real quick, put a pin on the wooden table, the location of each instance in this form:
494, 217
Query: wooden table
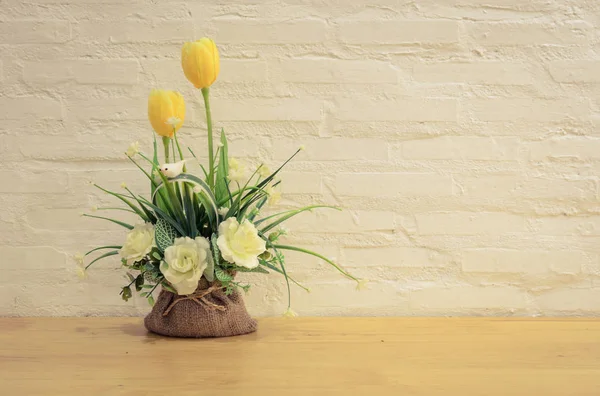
304, 356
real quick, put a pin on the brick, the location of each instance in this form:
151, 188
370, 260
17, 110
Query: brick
573, 71
300, 182
523, 261
26, 107
34, 32
110, 145
332, 149
392, 184
23, 182
501, 33
367, 109
468, 223
464, 297
462, 148
585, 300
261, 109
118, 72
242, 70
515, 186
31, 257
267, 32
485, 73
549, 110
581, 149
108, 109
398, 32
394, 257
345, 221
338, 71
136, 32
167, 73
567, 225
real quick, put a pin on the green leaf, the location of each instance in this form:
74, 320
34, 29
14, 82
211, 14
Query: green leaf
103, 247
164, 234
272, 175
139, 282
222, 275
288, 214
114, 252
151, 300
256, 269
221, 189
165, 216
310, 252
126, 293
126, 201
131, 277
122, 224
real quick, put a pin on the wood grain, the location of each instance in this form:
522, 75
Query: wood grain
304, 356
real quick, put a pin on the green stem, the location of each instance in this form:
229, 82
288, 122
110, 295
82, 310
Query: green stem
166, 142
211, 159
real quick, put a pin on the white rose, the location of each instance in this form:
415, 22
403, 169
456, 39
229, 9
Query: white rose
240, 243
138, 244
184, 263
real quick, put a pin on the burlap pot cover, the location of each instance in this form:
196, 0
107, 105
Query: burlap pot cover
209, 312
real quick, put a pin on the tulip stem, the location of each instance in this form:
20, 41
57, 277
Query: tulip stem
211, 159
166, 142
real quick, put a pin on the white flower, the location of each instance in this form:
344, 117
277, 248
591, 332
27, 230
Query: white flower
302, 148
133, 149
185, 262
264, 171
223, 211
78, 258
173, 121
289, 313
274, 195
138, 244
94, 208
237, 170
240, 243
123, 185
81, 272
362, 284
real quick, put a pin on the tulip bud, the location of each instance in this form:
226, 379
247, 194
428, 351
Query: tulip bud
166, 111
200, 62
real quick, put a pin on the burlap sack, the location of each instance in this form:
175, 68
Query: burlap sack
206, 313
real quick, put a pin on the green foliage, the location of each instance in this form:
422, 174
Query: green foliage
223, 276
126, 293
221, 186
164, 234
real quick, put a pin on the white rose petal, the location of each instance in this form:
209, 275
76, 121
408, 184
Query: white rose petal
240, 243
185, 262
223, 211
138, 244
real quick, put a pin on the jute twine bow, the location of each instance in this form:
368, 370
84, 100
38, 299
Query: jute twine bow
199, 298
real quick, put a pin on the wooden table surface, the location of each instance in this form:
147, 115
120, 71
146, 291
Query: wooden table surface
304, 356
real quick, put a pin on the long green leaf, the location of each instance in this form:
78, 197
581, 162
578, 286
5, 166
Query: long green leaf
272, 175
291, 214
306, 251
102, 247
113, 253
274, 268
163, 215
126, 201
122, 224
221, 186
279, 257
178, 210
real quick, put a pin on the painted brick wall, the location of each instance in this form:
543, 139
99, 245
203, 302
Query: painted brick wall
460, 136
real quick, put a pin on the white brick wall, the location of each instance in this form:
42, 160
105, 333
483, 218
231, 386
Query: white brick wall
460, 136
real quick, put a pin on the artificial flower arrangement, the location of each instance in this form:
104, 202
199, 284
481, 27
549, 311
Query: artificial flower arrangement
197, 233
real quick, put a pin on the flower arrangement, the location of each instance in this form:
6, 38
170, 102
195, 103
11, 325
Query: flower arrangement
196, 233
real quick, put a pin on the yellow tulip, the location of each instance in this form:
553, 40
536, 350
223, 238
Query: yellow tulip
200, 62
166, 111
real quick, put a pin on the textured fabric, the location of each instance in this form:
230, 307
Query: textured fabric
199, 318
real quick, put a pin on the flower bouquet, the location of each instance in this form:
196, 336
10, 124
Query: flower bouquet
197, 232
